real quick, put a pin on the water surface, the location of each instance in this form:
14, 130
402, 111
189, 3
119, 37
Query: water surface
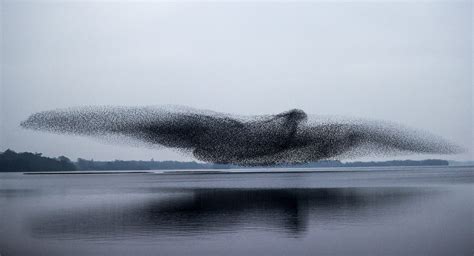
385, 211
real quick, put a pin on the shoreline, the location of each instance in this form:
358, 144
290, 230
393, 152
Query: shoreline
246, 171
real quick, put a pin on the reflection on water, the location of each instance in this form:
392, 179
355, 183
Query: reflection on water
401, 212
197, 211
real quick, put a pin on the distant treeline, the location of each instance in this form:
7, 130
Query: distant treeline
427, 162
83, 164
10, 161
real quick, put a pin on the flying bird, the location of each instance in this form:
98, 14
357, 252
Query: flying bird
288, 137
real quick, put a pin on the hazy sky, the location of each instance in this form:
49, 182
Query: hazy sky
404, 61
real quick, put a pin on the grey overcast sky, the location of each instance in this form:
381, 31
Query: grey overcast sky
404, 61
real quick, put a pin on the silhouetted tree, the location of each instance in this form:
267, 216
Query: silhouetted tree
10, 161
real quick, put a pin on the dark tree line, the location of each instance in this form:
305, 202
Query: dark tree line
10, 161
83, 164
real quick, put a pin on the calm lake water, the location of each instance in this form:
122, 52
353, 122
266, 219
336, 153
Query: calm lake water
389, 211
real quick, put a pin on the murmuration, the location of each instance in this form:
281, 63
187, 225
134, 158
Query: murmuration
288, 137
